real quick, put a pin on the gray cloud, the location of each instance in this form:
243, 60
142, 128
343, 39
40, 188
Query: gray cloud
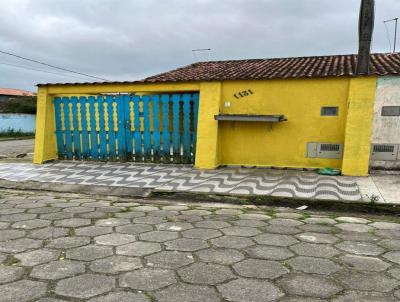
131, 39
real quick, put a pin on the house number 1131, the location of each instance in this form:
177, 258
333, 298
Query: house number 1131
243, 93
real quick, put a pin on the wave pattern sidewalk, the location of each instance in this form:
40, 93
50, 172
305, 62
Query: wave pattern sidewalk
229, 180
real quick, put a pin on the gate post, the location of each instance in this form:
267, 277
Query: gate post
357, 141
207, 150
45, 137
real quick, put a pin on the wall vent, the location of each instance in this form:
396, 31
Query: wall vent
324, 150
384, 151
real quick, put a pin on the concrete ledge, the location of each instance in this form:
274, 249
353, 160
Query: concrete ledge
82, 189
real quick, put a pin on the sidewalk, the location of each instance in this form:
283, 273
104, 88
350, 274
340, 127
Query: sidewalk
228, 180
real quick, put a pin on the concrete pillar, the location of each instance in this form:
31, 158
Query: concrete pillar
207, 150
357, 142
45, 138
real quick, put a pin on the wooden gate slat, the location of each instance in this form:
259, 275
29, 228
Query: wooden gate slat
195, 114
137, 133
146, 128
186, 128
85, 133
111, 133
102, 128
94, 146
176, 144
166, 143
67, 124
59, 131
121, 129
76, 135
127, 126
156, 128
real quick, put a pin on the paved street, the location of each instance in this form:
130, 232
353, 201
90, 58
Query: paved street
71, 247
12, 148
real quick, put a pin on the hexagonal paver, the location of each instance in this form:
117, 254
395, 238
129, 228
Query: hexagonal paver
285, 222
89, 252
22, 291
275, 239
249, 223
148, 279
278, 229
196, 212
68, 242
254, 216
354, 227
363, 263
150, 220
269, 252
19, 245
10, 273
72, 222
214, 224
368, 282
138, 248
314, 250
386, 225
309, 285
320, 221
134, 229
317, 237
240, 231
169, 259
92, 231
205, 273
313, 265
121, 297
6, 235
112, 222
58, 270
360, 248
174, 226
200, 233
115, 264
390, 244
158, 236
393, 256
264, 269
220, 255
232, 242
31, 224
185, 292
352, 219
36, 257
115, 239
186, 245
245, 290
48, 233
363, 297
85, 286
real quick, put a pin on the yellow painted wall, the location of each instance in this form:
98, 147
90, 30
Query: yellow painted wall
282, 144
359, 126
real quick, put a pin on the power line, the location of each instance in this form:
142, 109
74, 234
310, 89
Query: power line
41, 70
49, 65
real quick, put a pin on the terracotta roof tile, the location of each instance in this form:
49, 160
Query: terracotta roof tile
15, 92
284, 68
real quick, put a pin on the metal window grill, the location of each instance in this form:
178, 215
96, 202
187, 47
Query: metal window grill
383, 148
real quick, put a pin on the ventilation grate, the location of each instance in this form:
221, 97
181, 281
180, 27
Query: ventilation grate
330, 147
383, 148
384, 151
324, 150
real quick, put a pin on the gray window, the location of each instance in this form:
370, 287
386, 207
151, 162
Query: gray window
329, 111
391, 111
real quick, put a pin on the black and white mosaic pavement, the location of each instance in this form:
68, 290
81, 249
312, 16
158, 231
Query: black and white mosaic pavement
227, 180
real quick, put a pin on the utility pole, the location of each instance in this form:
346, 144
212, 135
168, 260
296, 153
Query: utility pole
365, 30
395, 32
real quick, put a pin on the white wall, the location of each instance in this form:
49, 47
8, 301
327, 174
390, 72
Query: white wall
386, 129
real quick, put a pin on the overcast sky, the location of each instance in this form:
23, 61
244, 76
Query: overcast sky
132, 39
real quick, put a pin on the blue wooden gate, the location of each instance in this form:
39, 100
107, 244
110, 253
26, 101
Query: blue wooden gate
149, 128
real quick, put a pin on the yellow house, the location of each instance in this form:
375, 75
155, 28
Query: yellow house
306, 112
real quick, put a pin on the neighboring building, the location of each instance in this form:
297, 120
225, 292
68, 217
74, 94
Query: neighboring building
10, 93
307, 112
